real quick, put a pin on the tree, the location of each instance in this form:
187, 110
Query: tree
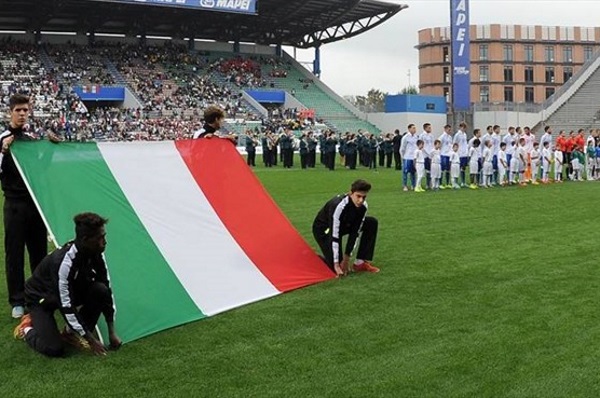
412, 90
374, 101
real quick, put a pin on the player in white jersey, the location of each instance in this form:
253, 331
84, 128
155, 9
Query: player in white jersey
486, 137
513, 176
558, 165
546, 137
455, 166
508, 139
460, 138
534, 156
590, 155
436, 165
488, 167
446, 150
474, 162
427, 139
546, 162
496, 140
479, 168
420, 166
529, 139
522, 157
408, 146
502, 164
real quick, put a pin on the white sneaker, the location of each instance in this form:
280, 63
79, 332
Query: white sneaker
18, 311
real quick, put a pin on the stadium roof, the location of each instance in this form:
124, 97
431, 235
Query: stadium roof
299, 23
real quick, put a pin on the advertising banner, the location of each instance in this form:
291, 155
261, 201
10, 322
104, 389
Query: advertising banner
461, 55
239, 6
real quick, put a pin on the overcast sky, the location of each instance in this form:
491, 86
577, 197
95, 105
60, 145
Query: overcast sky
382, 57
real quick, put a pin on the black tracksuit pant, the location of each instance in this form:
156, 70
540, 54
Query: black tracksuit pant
366, 247
45, 336
23, 227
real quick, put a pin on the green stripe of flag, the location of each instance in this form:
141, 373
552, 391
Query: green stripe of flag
71, 178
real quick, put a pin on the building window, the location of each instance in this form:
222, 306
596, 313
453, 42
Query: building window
568, 54
567, 73
508, 73
507, 32
446, 74
508, 53
549, 53
550, 75
528, 53
588, 34
529, 74
588, 53
529, 95
484, 94
447, 94
483, 52
446, 52
549, 92
527, 32
509, 94
484, 73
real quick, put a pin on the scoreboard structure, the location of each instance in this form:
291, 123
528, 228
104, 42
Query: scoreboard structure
237, 6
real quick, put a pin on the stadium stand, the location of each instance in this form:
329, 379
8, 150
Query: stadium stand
171, 84
576, 104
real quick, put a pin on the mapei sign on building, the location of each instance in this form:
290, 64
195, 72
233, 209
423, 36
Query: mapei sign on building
241, 6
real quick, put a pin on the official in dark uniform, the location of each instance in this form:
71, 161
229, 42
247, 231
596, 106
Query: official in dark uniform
396, 141
251, 144
303, 151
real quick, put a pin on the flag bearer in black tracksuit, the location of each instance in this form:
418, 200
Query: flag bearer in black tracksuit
346, 215
214, 119
74, 280
23, 225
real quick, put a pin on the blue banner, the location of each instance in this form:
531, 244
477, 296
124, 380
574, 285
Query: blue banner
461, 55
268, 97
100, 93
239, 6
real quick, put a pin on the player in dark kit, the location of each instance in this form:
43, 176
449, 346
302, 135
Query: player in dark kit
74, 280
346, 215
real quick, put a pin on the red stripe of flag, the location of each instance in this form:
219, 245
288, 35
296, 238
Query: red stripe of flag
251, 215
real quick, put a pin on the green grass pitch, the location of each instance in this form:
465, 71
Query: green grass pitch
488, 293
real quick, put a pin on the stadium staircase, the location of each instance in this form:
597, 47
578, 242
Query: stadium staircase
114, 72
47, 62
577, 103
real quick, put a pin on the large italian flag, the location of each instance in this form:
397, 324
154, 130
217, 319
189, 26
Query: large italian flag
192, 232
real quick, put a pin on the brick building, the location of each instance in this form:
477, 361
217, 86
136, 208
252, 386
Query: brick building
509, 63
